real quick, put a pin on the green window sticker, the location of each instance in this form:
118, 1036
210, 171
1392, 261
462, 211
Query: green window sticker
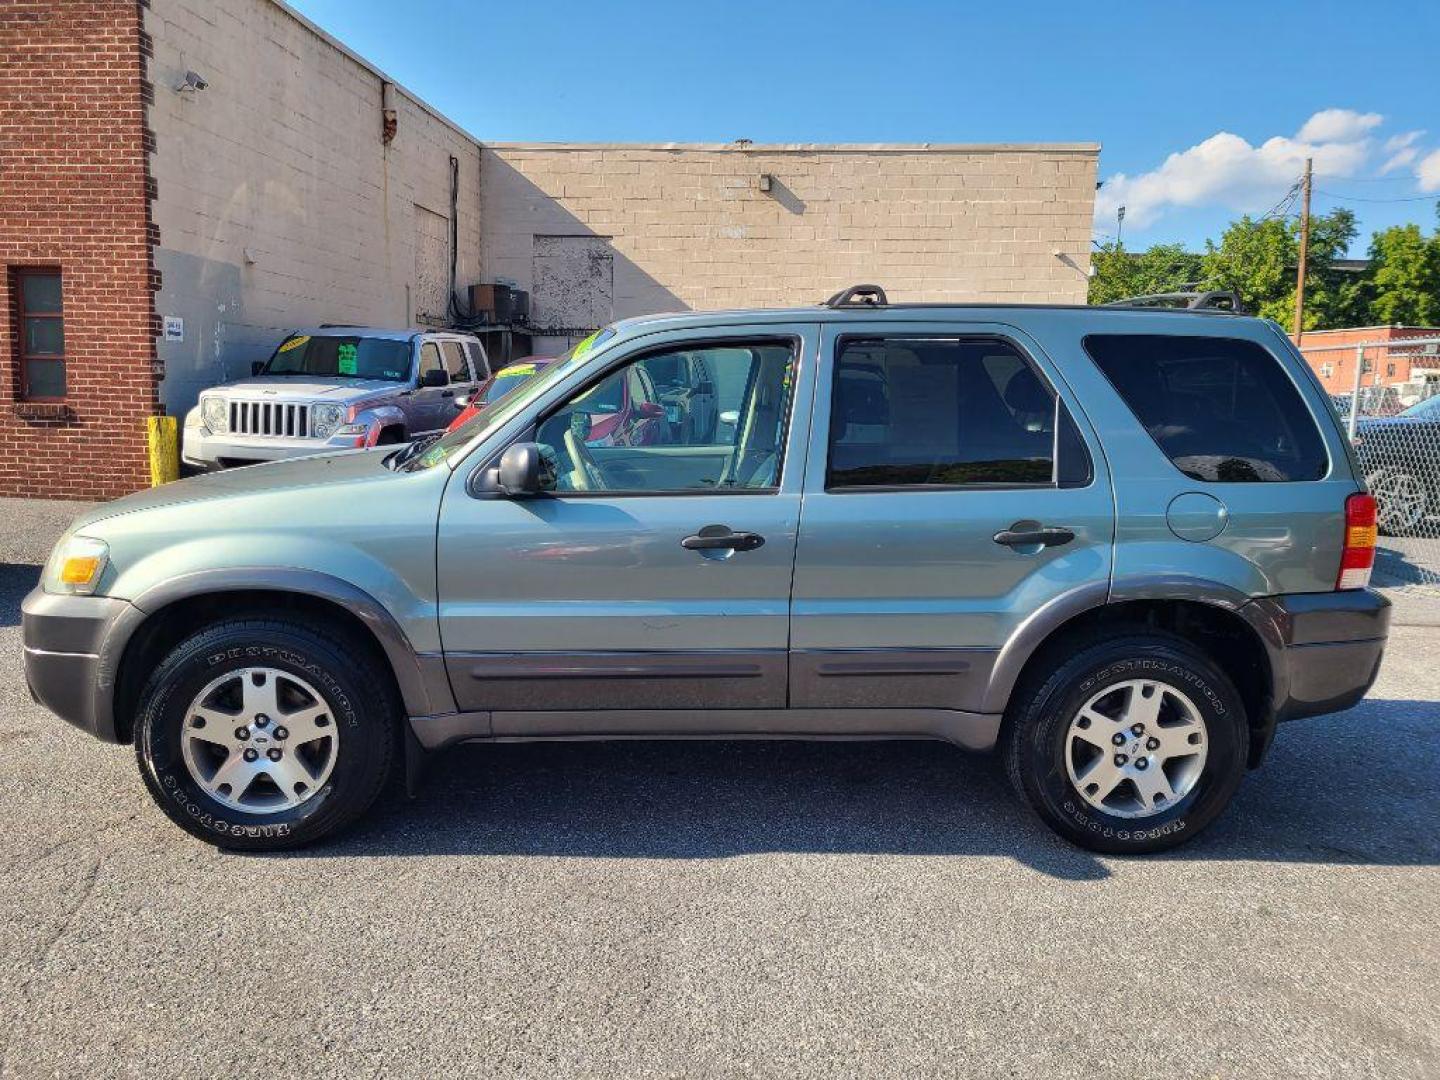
345, 357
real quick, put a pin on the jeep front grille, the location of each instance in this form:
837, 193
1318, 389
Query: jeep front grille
275, 418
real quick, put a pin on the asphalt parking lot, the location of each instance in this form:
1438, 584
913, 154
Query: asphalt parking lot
697, 909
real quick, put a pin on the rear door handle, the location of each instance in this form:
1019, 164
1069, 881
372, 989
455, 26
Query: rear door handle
717, 537
1043, 535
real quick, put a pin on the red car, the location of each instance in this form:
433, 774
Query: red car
623, 409
500, 384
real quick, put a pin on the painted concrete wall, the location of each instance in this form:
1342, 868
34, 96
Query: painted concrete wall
278, 203
691, 228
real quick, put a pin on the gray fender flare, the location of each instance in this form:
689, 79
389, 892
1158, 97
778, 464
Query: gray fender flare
424, 687
1044, 621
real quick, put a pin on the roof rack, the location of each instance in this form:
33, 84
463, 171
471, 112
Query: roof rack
858, 296
1209, 300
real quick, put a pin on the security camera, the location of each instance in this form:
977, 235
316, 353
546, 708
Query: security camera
192, 81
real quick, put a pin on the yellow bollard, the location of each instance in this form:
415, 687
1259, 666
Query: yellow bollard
162, 435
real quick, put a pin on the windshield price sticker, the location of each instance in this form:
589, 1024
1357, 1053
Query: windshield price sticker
294, 343
345, 357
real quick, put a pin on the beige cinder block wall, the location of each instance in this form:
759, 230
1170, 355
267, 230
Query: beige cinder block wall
278, 203
691, 227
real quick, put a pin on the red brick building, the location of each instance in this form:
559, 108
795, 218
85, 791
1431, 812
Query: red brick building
76, 281
1332, 354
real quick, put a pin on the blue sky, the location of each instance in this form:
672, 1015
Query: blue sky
1230, 88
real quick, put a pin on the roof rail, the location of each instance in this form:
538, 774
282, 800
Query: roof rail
1209, 300
858, 296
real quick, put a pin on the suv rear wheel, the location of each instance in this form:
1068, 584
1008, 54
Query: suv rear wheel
1132, 745
261, 734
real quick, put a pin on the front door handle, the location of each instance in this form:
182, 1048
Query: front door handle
1027, 534
718, 537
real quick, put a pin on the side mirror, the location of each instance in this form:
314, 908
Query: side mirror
435, 377
257, 366
462, 401
524, 471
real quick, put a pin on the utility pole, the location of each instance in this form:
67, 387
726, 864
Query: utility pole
1304, 252
1119, 226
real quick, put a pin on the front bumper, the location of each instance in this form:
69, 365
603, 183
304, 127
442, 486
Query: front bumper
201, 448
68, 667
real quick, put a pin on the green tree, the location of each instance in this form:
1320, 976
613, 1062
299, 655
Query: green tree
1120, 273
1255, 259
1403, 282
1258, 260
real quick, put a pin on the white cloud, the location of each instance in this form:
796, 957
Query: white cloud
1338, 125
1228, 171
1402, 151
1429, 172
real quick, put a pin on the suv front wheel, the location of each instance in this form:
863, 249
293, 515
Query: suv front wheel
1133, 745
265, 734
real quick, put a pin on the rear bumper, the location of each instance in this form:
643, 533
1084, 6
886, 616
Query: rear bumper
1325, 648
68, 668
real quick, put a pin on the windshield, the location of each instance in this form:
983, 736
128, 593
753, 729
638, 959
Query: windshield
509, 379
338, 357
1429, 409
428, 455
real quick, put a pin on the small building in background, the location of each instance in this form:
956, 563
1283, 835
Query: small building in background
1413, 370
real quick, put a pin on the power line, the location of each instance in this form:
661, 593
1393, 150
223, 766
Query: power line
1361, 198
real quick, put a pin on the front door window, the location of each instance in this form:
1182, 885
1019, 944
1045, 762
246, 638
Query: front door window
707, 418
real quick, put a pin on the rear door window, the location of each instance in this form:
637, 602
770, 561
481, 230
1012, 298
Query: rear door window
945, 413
1222, 409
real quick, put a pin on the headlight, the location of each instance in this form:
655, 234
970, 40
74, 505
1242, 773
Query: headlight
75, 565
324, 419
216, 411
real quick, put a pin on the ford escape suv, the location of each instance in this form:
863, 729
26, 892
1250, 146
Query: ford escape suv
1122, 545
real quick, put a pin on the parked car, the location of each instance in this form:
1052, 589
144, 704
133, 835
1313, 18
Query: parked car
497, 386
1121, 545
1400, 459
333, 388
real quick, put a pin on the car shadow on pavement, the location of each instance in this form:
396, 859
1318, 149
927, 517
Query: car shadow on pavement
1310, 803
16, 579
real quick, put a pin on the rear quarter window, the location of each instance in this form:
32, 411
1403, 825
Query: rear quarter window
1223, 410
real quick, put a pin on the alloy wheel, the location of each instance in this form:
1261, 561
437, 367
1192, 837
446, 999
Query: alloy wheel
1136, 748
1401, 500
259, 740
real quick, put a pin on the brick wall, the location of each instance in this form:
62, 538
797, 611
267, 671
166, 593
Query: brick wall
73, 196
691, 227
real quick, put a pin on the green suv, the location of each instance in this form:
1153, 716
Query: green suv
1121, 544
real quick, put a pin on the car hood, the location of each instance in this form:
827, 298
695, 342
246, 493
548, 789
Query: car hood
329, 470
298, 388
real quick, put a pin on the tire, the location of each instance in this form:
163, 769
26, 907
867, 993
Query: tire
349, 762
1043, 752
1403, 500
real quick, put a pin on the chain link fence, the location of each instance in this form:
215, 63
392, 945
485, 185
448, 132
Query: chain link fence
1388, 394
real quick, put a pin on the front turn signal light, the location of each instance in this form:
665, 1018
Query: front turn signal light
76, 565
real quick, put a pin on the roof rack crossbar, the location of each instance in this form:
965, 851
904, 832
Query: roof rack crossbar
1208, 300
858, 296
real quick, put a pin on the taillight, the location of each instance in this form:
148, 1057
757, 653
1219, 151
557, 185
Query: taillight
1358, 557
